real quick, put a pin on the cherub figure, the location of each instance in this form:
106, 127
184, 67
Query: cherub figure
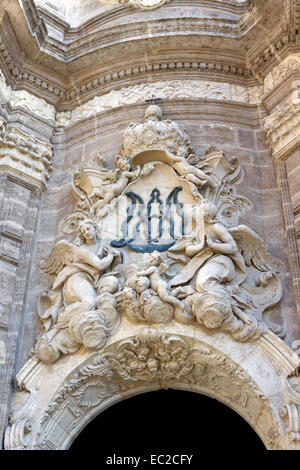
141, 303
191, 172
122, 175
158, 284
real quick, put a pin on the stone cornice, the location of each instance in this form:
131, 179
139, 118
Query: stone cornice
59, 83
116, 26
65, 85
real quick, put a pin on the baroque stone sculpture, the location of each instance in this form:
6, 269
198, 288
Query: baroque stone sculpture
158, 241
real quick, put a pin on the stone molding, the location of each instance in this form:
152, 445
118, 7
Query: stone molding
19, 233
170, 90
282, 127
38, 18
24, 155
246, 70
26, 100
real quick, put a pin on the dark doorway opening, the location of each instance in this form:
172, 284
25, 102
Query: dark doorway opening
167, 421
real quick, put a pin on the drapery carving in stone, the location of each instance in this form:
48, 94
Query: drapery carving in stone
158, 241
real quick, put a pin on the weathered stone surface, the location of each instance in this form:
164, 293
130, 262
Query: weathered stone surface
73, 78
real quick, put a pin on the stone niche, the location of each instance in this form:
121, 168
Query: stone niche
157, 284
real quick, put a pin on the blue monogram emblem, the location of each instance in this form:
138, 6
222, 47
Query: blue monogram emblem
156, 218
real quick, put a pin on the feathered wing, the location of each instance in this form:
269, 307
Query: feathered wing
251, 247
63, 253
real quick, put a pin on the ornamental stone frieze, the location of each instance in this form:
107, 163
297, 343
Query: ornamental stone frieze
53, 408
23, 154
170, 90
155, 253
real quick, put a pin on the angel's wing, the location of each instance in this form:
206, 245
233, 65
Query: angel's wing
251, 247
62, 254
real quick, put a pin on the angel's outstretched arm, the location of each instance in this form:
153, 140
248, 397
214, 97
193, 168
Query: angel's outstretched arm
177, 158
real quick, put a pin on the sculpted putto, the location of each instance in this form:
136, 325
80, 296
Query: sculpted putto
217, 275
118, 182
192, 173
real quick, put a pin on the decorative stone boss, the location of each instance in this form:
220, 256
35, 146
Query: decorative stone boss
157, 242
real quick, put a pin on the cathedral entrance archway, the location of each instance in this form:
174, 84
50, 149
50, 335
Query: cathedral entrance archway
167, 421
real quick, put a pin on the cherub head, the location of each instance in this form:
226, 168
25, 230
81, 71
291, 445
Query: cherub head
123, 163
152, 365
209, 211
155, 258
141, 284
143, 353
87, 230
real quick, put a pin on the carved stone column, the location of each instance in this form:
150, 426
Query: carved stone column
282, 126
24, 167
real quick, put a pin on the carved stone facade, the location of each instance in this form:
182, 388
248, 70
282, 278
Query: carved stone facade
150, 216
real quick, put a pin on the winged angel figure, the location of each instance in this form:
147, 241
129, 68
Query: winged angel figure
72, 312
233, 275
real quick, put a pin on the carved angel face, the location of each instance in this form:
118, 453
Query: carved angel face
209, 211
152, 365
155, 258
142, 284
87, 231
123, 163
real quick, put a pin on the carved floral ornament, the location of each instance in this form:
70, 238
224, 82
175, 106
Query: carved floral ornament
156, 242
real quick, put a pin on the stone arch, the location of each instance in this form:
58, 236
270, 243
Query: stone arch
58, 400
167, 419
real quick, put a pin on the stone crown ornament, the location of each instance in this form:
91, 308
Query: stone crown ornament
155, 133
